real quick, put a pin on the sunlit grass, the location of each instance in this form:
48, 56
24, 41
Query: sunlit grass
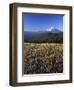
47, 55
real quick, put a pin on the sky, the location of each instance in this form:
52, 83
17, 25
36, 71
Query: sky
42, 22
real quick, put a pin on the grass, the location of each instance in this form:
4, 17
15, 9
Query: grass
43, 58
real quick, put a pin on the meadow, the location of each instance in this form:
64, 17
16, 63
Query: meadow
42, 58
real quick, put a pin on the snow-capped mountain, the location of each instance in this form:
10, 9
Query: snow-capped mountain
54, 30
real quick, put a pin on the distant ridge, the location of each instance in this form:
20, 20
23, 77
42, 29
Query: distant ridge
50, 30
53, 36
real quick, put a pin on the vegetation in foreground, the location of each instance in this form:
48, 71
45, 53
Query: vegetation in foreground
42, 58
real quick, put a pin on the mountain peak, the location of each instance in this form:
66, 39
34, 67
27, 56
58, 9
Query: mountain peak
54, 30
